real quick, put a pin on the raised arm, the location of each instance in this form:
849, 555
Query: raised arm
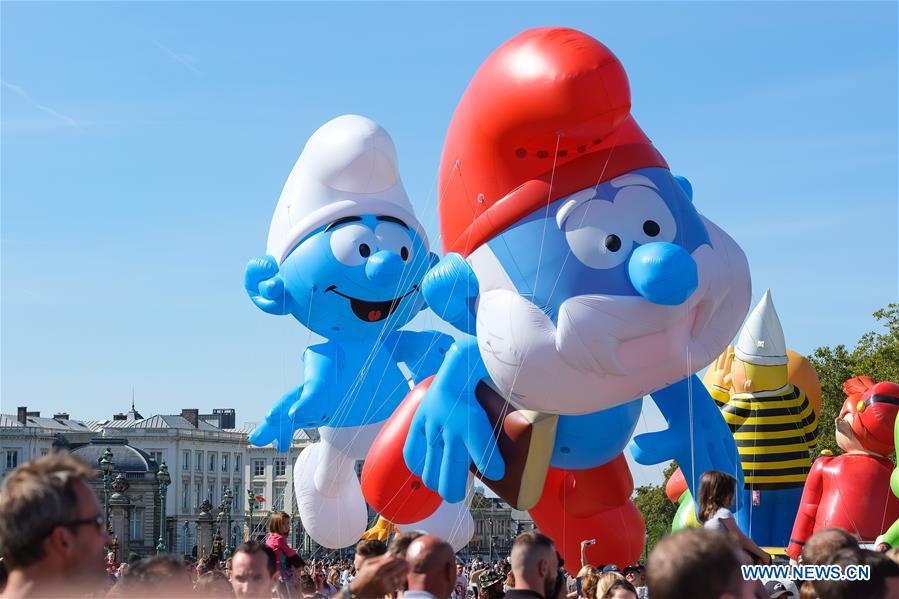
450, 428
421, 351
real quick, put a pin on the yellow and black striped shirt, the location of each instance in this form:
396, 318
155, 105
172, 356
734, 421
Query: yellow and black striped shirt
774, 432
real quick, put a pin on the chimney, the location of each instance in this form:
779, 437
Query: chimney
192, 415
61, 416
22, 414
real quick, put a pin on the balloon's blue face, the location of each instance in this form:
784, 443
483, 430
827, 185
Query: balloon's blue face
357, 277
632, 236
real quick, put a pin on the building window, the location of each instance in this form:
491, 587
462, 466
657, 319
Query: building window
258, 467
277, 497
225, 462
157, 456
237, 494
211, 495
12, 458
185, 494
137, 525
237, 463
185, 461
198, 463
211, 461
199, 493
280, 467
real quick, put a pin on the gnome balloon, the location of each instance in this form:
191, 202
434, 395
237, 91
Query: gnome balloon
852, 491
345, 258
774, 425
587, 279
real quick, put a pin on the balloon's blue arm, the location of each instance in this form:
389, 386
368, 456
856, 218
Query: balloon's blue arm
450, 428
263, 284
308, 406
421, 351
697, 435
450, 288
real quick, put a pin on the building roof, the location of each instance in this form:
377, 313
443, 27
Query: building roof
125, 457
54, 424
301, 434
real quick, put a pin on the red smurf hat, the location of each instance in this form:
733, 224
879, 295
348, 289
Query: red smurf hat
874, 407
546, 115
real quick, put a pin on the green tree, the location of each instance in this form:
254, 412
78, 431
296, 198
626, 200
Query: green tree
876, 355
657, 510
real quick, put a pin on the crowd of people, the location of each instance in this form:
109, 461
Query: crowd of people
53, 543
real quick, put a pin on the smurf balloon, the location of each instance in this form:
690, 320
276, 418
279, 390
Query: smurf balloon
345, 258
587, 279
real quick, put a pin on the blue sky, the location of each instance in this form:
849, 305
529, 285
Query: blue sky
144, 147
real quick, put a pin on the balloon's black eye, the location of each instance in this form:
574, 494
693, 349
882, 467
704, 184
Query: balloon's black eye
404, 253
651, 228
613, 243
364, 250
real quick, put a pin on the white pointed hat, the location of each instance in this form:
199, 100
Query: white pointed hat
348, 168
761, 339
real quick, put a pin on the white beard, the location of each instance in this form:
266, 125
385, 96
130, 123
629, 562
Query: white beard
607, 349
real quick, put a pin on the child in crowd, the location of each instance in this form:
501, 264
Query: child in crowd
286, 558
716, 495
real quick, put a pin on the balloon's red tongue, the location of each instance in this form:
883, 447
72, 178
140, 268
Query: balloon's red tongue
374, 315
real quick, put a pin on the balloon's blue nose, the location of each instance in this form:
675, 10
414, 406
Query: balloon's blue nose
384, 268
663, 273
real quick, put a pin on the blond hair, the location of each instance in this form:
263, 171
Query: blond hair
605, 582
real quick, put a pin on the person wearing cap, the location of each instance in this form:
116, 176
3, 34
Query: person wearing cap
578, 255
776, 589
345, 257
852, 491
490, 585
636, 575
774, 425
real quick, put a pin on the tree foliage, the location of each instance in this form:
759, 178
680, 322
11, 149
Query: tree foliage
876, 355
657, 510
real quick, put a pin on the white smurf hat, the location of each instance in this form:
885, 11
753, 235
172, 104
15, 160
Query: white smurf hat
348, 168
761, 339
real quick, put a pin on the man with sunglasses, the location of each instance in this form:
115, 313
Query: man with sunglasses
52, 529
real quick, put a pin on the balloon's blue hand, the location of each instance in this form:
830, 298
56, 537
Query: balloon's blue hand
277, 426
450, 288
450, 428
697, 435
264, 285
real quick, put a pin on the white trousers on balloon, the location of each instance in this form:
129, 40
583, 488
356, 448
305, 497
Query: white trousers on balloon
329, 496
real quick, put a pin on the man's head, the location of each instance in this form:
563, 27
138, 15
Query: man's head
368, 549
635, 575
696, 563
400, 543
431, 566
535, 563
883, 581
253, 570
51, 521
824, 543
158, 576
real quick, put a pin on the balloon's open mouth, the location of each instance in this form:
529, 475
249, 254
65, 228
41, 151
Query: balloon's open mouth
373, 311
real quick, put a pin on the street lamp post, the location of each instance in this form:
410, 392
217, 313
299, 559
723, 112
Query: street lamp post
227, 500
164, 481
106, 467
